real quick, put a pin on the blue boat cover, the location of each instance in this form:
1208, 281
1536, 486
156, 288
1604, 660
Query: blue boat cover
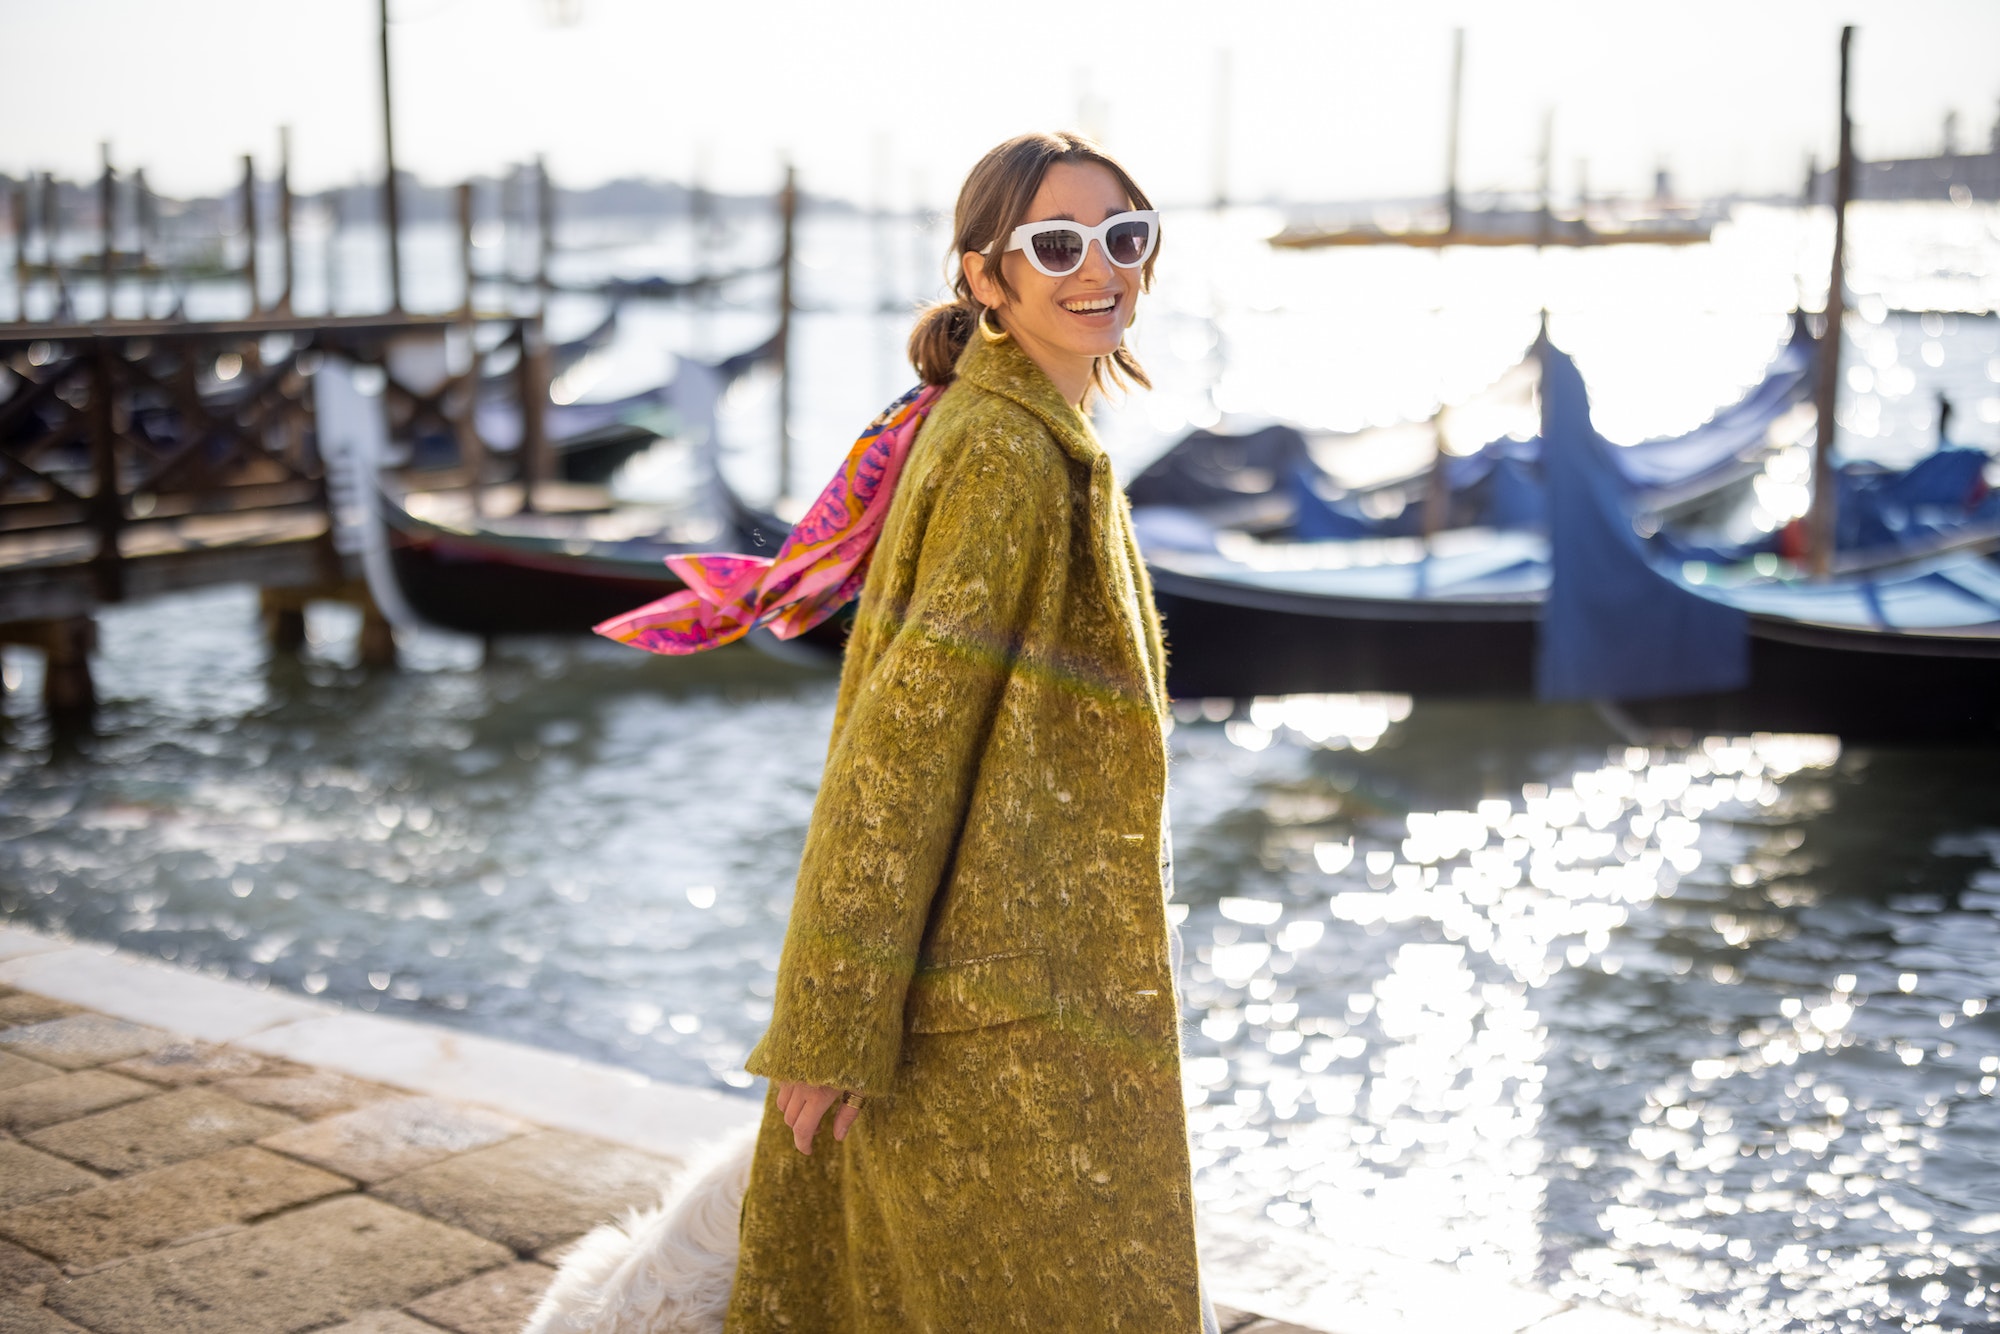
1500, 484
1613, 627
1208, 468
1940, 492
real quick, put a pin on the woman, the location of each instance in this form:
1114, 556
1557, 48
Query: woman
976, 979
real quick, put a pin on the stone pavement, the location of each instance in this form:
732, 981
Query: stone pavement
179, 1153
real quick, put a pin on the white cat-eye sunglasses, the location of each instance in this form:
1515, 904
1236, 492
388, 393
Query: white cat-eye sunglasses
1057, 248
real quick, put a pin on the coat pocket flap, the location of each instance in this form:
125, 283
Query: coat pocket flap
955, 997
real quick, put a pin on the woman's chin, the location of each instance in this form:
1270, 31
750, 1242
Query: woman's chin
1091, 347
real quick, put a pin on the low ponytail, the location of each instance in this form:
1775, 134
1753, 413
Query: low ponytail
940, 336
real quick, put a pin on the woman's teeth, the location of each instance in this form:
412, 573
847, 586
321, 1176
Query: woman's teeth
1091, 305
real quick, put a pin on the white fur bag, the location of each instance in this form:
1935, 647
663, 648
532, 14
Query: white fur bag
664, 1270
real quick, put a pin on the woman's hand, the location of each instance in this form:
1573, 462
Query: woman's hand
805, 1104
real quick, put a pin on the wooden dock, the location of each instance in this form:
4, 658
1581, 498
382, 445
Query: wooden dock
140, 457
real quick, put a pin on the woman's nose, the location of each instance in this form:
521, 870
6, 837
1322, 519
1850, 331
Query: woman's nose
1096, 264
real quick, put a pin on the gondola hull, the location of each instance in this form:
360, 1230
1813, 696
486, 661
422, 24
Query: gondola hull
490, 585
481, 587
1803, 679
1244, 643
1229, 641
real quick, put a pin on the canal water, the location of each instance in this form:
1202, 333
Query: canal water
1700, 1031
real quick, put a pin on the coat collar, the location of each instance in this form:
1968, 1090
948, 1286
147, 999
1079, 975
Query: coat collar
1003, 368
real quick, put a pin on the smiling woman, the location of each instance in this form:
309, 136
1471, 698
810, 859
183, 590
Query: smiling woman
977, 981
1054, 242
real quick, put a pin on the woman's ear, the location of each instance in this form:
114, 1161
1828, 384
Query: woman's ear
984, 290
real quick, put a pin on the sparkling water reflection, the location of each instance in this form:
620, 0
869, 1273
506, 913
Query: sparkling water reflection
1703, 1031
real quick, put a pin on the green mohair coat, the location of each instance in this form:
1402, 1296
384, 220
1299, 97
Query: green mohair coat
979, 940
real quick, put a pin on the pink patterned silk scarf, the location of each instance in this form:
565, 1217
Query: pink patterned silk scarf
818, 570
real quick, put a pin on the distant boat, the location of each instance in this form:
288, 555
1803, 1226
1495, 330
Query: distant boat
1506, 227
1280, 483
1908, 627
529, 575
561, 573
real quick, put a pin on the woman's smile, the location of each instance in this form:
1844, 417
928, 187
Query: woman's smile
1098, 308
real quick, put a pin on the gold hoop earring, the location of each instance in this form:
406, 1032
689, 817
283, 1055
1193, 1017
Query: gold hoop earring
987, 331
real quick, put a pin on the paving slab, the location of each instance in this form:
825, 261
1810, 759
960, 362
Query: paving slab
82, 1040
27, 1175
306, 1094
496, 1302
156, 1131
18, 1315
140, 1213
25, 1007
44, 1102
24, 1272
534, 1191
182, 1063
563, 1092
313, 1266
147, 991
386, 1139
18, 1070
383, 1322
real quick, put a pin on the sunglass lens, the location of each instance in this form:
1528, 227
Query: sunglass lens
1127, 242
1059, 252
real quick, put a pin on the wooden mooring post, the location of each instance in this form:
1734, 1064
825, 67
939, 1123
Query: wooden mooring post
17, 203
288, 256
788, 218
250, 232
1822, 519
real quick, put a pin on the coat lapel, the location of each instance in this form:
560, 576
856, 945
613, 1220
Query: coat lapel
1003, 368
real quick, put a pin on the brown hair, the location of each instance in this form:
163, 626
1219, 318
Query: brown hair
992, 203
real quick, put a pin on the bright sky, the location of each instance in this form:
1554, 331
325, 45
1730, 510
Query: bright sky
1331, 99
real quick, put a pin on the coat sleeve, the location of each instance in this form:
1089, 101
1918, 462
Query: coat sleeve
902, 768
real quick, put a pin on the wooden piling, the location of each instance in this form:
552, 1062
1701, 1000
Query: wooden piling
545, 230
107, 229
250, 232
18, 202
378, 639
1437, 488
330, 254
106, 505
532, 383
391, 209
145, 223
1451, 143
701, 238
788, 213
465, 274
69, 696
1822, 519
51, 249
284, 302
284, 614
